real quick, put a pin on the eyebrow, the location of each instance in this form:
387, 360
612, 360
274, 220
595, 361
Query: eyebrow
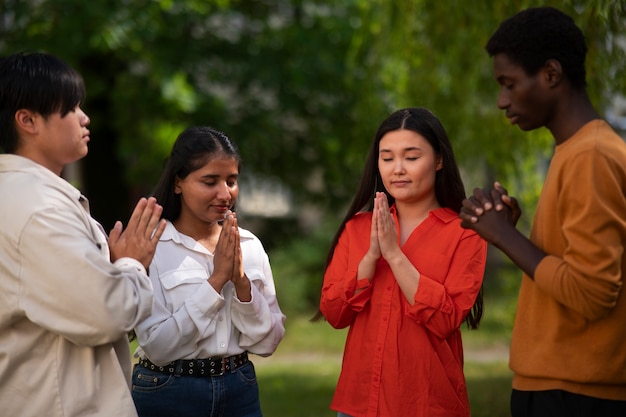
411, 148
211, 176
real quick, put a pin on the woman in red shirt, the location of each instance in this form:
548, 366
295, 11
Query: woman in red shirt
404, 275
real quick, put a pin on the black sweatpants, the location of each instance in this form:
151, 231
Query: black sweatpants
558, 403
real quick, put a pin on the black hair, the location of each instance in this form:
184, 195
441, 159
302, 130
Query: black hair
449, 189
193, 148
39, 82
533, 36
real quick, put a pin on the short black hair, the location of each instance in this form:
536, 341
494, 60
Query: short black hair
39, 82
535, 35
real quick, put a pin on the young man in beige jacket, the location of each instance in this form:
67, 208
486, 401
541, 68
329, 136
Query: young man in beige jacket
68, 294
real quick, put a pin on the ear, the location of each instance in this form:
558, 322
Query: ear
177, 189
439, 163
552, 72
25, 121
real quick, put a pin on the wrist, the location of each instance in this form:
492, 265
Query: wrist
394, 257
243, 288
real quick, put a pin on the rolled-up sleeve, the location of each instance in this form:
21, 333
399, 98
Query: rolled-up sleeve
441, 306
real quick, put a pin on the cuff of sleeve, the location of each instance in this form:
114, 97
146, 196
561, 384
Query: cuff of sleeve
362, 283
252, 297
359, 300
430, 296
130, 263
547, 267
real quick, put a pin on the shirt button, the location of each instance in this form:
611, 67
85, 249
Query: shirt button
221, 318
222, 344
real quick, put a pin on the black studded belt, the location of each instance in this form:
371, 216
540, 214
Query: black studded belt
199, 367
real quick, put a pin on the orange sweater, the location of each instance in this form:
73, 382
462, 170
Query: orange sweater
570, 325
402, 360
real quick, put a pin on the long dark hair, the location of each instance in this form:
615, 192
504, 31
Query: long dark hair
192, 149
449, 189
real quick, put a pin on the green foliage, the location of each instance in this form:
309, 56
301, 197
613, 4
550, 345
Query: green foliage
298, 269
428, 53
300, 85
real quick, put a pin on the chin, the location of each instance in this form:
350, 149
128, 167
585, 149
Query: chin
527, 127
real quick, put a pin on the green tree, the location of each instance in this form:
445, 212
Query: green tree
431, 53
300, 85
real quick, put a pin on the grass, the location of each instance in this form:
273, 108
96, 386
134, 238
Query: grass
299, 379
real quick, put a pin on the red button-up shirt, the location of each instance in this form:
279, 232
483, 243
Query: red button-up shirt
402, 360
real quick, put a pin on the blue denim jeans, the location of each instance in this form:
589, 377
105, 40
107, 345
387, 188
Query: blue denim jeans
230, 395
340, 414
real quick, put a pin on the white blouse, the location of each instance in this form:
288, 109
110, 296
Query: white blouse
190, 320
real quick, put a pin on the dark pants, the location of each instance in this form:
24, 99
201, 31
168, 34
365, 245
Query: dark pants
558, 403
231, 395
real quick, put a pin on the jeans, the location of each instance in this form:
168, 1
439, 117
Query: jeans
230, 395
343, 415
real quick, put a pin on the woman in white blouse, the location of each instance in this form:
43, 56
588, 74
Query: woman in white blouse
215, 300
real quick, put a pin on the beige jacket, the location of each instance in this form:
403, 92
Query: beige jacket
65, 309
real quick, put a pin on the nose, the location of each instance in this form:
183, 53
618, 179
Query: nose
85, 120
223, 191
398, 167
503, 100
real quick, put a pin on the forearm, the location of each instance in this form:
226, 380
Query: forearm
498, 228
407, 276
520, 250
445, 297
261, 323
366, 269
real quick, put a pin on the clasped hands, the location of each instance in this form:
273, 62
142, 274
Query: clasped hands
491, 213
228, 265
383, 234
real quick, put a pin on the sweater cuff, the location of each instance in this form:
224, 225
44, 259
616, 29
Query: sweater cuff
545, 272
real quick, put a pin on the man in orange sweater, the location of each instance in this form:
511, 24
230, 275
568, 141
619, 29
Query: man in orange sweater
568, 349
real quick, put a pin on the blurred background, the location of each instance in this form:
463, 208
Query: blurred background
301, 86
